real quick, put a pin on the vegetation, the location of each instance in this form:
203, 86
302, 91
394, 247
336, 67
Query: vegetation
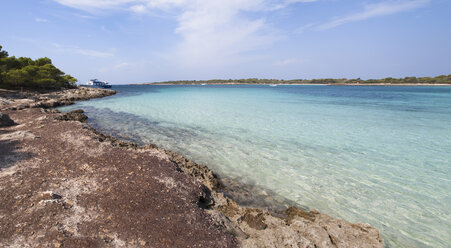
25, 73
444, 79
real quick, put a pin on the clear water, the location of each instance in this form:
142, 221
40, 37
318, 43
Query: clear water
380, 155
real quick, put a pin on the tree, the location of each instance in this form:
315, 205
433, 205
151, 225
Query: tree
43, 61
16, 73
3, 54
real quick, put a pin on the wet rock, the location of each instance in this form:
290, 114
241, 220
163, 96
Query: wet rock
293, 212
112, 140
203, 173
229, 208
75, 115
5, 121
255, 219
149, 147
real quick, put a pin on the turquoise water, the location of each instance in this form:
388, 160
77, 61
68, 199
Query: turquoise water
374, 154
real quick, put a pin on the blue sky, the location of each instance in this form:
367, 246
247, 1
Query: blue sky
135, 41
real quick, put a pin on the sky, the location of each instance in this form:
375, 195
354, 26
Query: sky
139, 41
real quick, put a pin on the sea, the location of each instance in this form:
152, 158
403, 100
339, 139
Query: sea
374, 154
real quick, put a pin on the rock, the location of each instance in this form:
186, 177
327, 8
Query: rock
201, 172
5, 121
77, 111
294, 228
56, 196
75, 115
255, 219
293, 212
149, 147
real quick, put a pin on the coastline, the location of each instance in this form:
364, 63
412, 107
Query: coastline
199, 187
282, 84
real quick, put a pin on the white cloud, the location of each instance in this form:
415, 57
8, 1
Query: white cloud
86, 52
161, 4
114, 68
212, 32
284, 4
375, 10
41, 20
95, 4
303, 28
121, 65
138, 9
93, 53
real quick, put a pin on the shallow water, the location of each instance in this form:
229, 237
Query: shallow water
374, 154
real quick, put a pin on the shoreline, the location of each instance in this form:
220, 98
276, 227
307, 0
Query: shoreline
279, 84
250, 227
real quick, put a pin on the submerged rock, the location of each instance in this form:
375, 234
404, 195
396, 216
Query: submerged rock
5, 121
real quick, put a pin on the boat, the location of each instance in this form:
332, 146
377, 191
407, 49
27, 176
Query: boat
97, 83
273, 85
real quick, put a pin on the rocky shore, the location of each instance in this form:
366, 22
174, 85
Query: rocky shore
15, 100
63, 184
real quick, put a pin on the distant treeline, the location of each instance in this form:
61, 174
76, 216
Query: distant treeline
444, 79
25, 73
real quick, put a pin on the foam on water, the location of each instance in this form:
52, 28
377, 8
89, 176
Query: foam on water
379, 155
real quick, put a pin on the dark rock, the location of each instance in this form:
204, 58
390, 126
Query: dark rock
201, 172
5, 121
205, 199
56, 196
75, 115
77, 111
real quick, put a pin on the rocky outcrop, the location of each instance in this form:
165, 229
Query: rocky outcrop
68, 97
50, 100
5, 121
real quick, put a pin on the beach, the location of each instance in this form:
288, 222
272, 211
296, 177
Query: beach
66, 185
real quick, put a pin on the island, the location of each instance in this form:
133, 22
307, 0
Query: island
442, 80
